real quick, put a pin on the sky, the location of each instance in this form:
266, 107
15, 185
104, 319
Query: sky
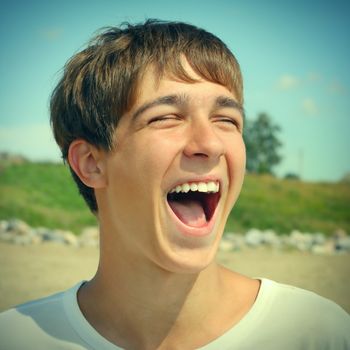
294, 56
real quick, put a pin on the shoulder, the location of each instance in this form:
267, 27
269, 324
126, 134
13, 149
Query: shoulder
35, 323
298, 299
33, 309
307, 313
289, 318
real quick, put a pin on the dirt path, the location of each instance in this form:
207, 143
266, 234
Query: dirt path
35, 271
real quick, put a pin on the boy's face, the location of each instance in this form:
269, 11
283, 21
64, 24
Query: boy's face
177, 135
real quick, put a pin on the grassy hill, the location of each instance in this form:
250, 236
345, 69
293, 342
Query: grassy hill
43, 194
284, 205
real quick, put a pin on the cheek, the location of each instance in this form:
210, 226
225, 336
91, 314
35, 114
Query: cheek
141, 166
237, 153
244, 154
236, 162
157, 154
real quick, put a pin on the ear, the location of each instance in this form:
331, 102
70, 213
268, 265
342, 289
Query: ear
87, 163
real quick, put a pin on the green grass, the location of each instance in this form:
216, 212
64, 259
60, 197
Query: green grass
284, 205
43, 194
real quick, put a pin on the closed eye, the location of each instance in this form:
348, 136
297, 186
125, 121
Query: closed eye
229, 122
164, 120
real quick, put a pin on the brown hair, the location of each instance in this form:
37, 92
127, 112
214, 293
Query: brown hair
99, 84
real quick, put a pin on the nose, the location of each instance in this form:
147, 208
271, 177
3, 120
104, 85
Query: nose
203, 141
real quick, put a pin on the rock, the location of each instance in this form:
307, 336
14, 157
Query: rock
254, 237
327, 248
36, 239
43, 232
18, 227
226, 245
342, 244
237, 240
3, 226
54, 236
6, 237
270, 238
89, 237
26, 239
318, 238
284, 239
19, 232
301, 241
339, 233
21, 240
70, 238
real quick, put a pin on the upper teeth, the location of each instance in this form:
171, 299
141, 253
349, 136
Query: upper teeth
210, 187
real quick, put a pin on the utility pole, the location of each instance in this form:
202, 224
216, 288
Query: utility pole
301, 162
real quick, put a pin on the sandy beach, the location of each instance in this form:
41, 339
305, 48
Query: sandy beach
29, 272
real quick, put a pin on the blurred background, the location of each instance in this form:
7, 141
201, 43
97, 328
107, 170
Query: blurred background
294, 56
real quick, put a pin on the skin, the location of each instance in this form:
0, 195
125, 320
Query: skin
158, 286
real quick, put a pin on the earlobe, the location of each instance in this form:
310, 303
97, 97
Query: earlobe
85, 160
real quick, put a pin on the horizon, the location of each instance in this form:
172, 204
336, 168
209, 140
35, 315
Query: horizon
16, 158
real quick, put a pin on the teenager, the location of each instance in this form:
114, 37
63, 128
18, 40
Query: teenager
150, 118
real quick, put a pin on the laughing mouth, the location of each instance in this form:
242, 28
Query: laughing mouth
194, 203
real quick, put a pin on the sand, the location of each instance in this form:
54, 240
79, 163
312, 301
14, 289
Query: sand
29, 272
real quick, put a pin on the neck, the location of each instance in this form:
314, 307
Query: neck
137, 304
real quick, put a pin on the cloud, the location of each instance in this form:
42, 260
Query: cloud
336, 87
34, 141
287, 82
51, 34
311, 80
290, 81
309, 106
314, 77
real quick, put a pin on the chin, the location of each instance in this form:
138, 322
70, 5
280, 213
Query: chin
187, 263
189, 254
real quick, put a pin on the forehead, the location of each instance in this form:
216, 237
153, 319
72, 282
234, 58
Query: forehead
157, 95
153, 85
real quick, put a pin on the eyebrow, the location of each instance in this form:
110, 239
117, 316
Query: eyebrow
170, 100
225, 101
182, 99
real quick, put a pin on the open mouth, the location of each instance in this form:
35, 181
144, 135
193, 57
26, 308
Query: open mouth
194, 204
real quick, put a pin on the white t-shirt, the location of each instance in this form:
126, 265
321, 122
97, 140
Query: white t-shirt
282, 317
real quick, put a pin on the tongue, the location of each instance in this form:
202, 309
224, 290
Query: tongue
190, 212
